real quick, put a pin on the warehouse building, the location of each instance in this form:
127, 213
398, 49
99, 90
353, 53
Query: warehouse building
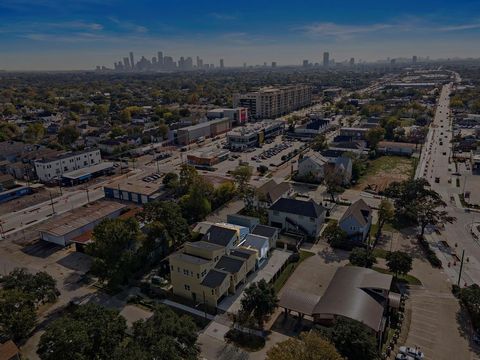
207, 158
138, 191
254, 134
190, 134
62, 229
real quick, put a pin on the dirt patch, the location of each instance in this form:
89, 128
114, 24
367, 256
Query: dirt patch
385, 170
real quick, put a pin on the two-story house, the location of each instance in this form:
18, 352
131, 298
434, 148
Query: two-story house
356, 221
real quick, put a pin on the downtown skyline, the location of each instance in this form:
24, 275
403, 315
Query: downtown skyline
44, 35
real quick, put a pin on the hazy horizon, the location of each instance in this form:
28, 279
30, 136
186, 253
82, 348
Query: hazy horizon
54, 35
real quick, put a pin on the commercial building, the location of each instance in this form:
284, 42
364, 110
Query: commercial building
326, 59
65, 227
354, 133
52, 168
255, 134
271, 102
138, 191
85, 174
190, 134
395, 148
207, 158
237, 116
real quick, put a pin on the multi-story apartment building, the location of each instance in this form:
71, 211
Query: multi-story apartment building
271, 102
205, 272
52, 168
190, 134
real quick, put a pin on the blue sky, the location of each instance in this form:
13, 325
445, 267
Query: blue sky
69, 34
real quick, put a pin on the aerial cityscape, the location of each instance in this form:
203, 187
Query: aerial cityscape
258, 180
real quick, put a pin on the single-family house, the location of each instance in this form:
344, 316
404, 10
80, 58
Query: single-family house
270, 192
299, 216
357, 220
227, 237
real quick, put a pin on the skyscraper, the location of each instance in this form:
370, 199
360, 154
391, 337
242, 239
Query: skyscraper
199, 62
160, 59
414, 59
222, 65
132, 61
274, 64
326, 58
352, 61
126, 63
305, 63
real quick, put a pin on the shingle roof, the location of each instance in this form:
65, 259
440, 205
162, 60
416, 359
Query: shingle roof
189, 258
230, 264
264, 230
360, 211
219, 235
298, 207
243, 253
214, 278
273, 191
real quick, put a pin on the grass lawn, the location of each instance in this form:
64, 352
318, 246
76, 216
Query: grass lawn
409, 279
289, 269
388, 164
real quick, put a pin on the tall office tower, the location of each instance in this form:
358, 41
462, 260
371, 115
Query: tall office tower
352, 61
181, 62
392, 62
414, 59
222, 64
160, 59
168, 63
305, 63
199, 62
244, 65
132, 61
326, 58
189, 63
274, 64
212, 66
126, 63
154, 62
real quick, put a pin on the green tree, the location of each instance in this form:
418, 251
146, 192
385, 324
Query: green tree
399, 262
242, 175
90, 332
17, 314
168, 213
308, 346
165, 336
223, 194
362, 257
114, 250
34, 133
335, 236
170, 180
352, 339
67, 135
117, 131
470, 298
40, 287
374, 136
386, 213
333, 181
259, 300
319, 143
8, 131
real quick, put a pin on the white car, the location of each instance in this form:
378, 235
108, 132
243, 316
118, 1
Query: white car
403, 357
416, 354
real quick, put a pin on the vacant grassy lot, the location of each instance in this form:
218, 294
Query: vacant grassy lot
385, 170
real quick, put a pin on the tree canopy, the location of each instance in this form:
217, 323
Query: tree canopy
259, 300
308, 346
362, 257
40, 287
399, 262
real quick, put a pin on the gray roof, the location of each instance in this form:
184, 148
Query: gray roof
219, 235
264, 230
243, 253
229, 264
360, 211
204, 245
349, 294
307, 208
189, 258
214, 278
255, 241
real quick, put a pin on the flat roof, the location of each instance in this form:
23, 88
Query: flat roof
76, 174
189, 258
135, 185
208, 153
71, 220
65, 155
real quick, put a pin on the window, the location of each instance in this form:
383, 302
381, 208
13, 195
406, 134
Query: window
178, 269
198, 276
185, 272
213, 292
187, 287
171, 267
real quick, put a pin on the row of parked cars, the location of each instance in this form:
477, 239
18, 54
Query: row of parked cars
152, 177
409, 353
273, 151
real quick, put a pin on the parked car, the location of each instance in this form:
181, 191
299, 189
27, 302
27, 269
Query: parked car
403, 357
413, 352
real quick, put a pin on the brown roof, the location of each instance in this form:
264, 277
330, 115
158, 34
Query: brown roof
298, 301
404, 145
359, 210
273, 191
8, 350
349, 294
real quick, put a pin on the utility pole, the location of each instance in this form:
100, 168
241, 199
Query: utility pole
51, 202
88, 197
461, 268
